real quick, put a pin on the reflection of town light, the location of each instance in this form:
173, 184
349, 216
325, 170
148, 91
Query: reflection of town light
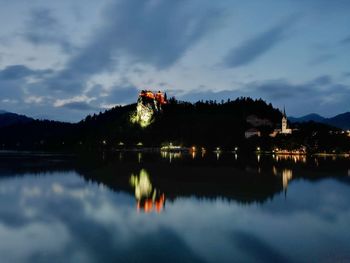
258, 157
203, 150
193, 154
287, 175
274, 170
139, 157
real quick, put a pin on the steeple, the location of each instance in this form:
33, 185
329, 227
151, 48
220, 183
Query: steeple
284, 111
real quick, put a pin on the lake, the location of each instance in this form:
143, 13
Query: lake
173, 207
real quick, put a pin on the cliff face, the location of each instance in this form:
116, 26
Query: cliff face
148, 104
144, 113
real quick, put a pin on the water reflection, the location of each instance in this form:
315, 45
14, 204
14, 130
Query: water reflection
287, 175
170, 155
148, 198
293, 157
216, 211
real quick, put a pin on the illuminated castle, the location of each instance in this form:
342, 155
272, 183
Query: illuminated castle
156, 99
148, 104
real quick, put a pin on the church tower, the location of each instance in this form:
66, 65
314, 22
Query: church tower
285, 129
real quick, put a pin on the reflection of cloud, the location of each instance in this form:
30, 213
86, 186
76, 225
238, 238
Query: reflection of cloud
257, 248
57, 188
92, 224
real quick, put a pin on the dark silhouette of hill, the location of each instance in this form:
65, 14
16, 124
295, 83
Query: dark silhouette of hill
8, 118
341, 121
310, 117
205, 123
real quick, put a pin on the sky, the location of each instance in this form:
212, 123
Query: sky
63, 60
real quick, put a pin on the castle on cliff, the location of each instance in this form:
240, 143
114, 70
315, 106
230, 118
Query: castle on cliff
148, 104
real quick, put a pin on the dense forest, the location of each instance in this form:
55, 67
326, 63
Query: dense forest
207, 124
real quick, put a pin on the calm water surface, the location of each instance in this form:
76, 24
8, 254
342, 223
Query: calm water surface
133, 207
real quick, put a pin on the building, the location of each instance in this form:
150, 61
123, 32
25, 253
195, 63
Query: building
285, 129
148, 104
252, 132
284, 126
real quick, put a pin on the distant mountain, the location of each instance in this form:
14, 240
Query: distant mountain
341, 121
310, 117
8, 119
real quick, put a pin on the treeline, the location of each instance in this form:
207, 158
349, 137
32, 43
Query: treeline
204, 123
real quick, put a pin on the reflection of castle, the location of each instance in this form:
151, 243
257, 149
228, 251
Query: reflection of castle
148, 198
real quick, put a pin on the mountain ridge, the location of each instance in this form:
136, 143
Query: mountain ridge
341, 120
10, 118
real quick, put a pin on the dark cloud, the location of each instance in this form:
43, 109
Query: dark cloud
253, 48
127, 94
80, 106
16, 72
155, 33
43, 28
345, 41
13, 79
321, 59
321, 95
323, 80
346, 74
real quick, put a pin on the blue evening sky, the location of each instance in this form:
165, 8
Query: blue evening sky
65, 59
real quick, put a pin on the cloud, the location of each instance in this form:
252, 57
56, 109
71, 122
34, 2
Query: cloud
321, 59
323, 80
345, 41
80, 106
14, 80
321, 94
154, 33
346, 74
122, 94
43, 28
16, 72
253, 48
